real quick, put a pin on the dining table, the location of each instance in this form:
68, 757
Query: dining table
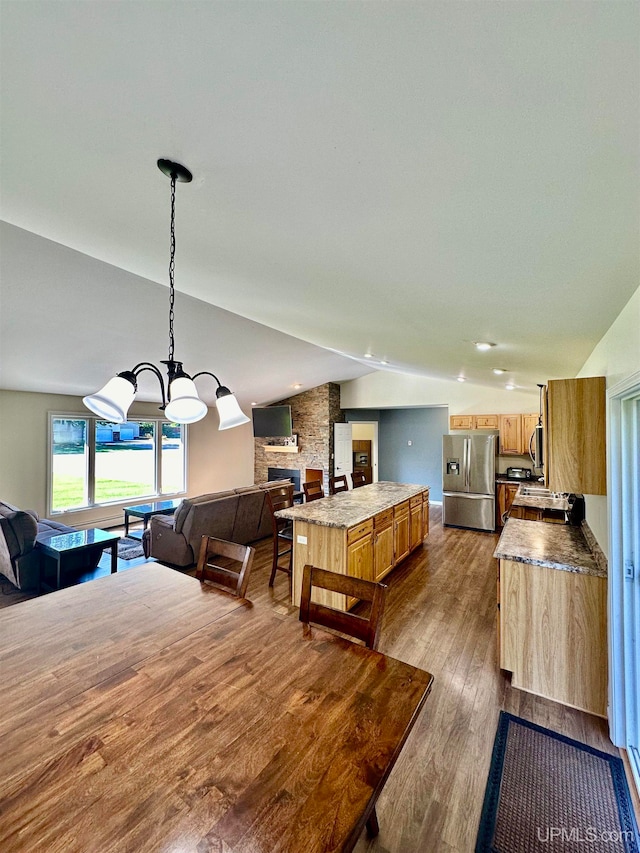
146, 711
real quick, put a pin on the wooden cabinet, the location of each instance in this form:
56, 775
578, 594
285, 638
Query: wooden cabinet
462, 422
369, 549
425, 515
506, 494
510, 434
487, 422
529, 423
383, 554
553, 634
401, 531
576, 435
415, 522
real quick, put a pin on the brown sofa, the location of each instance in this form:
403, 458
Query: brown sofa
240, 515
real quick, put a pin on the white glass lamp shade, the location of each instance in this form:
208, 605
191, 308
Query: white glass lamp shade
231, 415
112, 401
184, 407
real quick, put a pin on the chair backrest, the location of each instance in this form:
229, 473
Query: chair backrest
313, 490
280, 498
235, 568
361, 627
358, 478
338, 484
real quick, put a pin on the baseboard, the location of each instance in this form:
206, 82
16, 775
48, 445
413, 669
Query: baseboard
632, 771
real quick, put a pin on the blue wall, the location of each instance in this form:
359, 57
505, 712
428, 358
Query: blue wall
419, 463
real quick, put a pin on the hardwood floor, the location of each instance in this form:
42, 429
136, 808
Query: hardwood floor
440, 615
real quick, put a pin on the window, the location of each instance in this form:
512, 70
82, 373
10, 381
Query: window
93, 462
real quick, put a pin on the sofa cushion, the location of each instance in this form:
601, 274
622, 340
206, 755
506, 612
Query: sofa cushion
19, 529
210, 518
249, 512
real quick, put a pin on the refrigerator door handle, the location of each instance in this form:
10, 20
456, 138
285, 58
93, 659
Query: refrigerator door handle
467, 463
469, 496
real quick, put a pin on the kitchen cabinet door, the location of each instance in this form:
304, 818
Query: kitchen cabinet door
383, 552
576, 435
462, 422
506, 494
511, 434
415, 523
487, 422
401, 531
529, 423
360, 561
425, 515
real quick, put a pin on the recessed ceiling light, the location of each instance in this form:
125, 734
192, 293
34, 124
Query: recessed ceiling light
509, 387
461, 379
368, 355
254, 403
384, 361
483, 345
499, 370
297, 385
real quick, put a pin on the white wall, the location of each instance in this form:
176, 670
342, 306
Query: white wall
216, 460
616, 356
385, 389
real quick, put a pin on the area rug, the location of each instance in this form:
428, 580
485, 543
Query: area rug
129, 549
546, 792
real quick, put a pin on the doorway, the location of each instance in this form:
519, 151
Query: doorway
366, 431
624, 568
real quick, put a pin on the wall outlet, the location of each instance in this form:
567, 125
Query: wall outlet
301, 540
409, 443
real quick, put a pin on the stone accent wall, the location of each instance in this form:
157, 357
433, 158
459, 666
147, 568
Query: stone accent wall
314, 413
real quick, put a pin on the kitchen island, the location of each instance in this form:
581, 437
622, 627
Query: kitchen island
364, 532
552, 617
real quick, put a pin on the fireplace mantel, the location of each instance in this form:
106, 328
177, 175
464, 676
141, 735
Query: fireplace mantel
281, 448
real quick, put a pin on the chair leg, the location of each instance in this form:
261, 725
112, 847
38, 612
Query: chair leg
274, 566
372, 824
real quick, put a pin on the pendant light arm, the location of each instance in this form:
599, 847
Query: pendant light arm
207, 373
146, 365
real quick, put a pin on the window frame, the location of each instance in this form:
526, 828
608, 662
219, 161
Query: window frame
91, 420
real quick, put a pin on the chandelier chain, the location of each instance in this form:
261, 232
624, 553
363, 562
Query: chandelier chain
172, 263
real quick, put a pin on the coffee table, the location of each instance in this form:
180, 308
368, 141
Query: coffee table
58, 547
146, 511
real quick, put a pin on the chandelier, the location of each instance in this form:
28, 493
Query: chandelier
181, 403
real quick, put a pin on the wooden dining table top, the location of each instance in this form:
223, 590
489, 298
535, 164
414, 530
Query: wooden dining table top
144, 711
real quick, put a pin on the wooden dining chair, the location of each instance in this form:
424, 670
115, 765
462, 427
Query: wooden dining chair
338, 484
313, 491
281, 498
237, 559
358, 478
362, 628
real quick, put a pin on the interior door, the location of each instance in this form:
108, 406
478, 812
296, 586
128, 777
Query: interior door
342, 453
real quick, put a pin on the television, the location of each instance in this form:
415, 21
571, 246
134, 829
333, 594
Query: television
272, 422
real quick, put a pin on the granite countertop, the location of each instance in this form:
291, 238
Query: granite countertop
346, 509
541, 502
555, 546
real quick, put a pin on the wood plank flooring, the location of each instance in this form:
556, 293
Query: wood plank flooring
440, 616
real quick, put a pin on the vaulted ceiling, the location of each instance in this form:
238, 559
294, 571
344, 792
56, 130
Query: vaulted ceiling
399, 179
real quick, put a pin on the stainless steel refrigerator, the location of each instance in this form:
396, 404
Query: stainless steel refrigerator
468, 481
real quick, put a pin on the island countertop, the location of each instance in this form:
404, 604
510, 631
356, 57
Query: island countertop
346, 509
555, 546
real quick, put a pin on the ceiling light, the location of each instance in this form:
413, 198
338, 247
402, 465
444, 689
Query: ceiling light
383, 361
509, 386
181, 403
368, 355
297, 385
483, 345
499, 371
461, 379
